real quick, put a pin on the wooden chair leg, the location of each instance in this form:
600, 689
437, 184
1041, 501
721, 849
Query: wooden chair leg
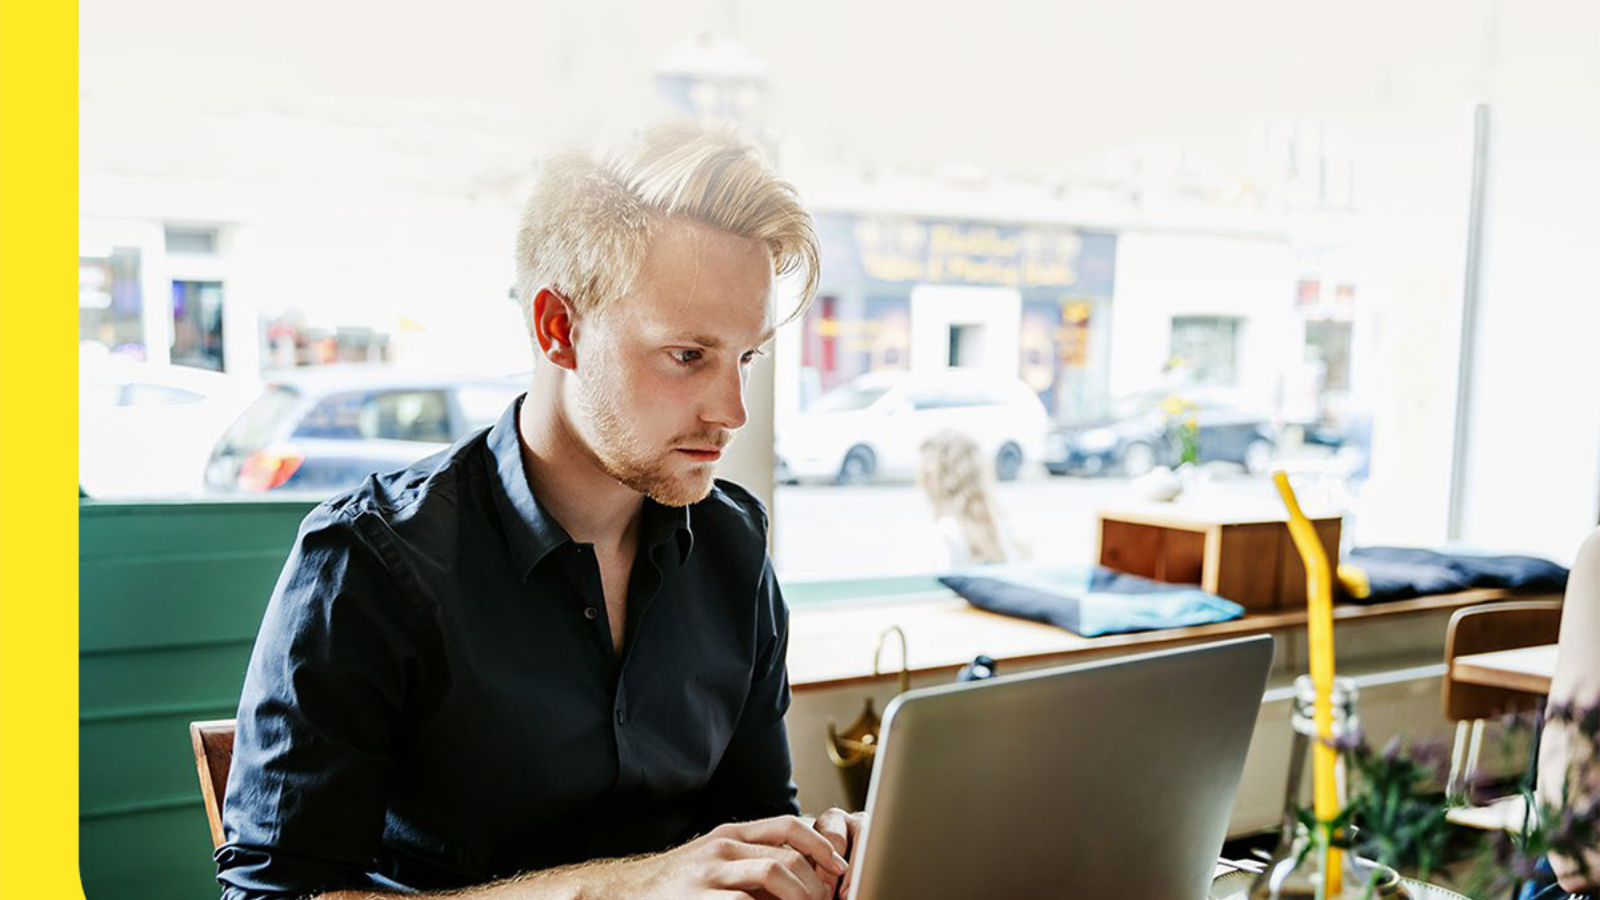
1474, 751
1454, 787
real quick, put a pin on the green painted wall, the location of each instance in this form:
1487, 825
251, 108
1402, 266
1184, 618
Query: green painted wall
169, 600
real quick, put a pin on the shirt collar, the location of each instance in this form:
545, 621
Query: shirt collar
531, 531
662, 523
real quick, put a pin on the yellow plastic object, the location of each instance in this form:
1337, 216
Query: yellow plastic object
1355, 582
1319, 630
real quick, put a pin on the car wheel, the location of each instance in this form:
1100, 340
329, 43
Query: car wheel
1138, 458
859, 465
1257, 456
1008, 463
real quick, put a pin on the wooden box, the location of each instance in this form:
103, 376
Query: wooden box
1244, 554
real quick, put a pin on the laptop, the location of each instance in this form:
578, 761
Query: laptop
1109, 779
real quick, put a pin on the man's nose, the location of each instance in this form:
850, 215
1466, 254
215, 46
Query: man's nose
726, 407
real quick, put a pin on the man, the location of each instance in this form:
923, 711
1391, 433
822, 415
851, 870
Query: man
549, 661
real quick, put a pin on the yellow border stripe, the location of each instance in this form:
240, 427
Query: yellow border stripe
38, 450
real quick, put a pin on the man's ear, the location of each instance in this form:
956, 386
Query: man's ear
555, 327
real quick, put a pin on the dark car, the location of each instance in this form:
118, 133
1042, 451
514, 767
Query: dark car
1140, 433
324, 430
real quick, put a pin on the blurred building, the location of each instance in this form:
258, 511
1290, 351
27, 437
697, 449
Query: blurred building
1092, 284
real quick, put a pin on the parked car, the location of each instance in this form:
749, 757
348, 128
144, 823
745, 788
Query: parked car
872, 426
324, 430
146, 430
1139, 434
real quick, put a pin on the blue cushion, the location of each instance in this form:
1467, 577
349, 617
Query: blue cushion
1399, 573
1087, 600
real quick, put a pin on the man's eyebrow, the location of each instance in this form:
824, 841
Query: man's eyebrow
712, 342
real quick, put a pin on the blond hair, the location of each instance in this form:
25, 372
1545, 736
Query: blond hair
955, 476
589, 221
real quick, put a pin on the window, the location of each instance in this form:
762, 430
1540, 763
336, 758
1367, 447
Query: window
966, 345
337, 417
407, 416
197, 324
261, 422
1328, 348
1205, 350
111, 302
191, 241
157, 395
848, 398
389, 416
1298, 243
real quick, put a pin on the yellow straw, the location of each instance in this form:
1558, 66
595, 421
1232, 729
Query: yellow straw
1319, 629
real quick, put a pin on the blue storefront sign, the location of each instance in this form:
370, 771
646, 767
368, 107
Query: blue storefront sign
870, 252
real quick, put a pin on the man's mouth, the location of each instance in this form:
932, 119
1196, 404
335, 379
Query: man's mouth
702, 454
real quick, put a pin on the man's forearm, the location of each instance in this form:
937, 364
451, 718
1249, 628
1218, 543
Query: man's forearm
574, 882
779, 856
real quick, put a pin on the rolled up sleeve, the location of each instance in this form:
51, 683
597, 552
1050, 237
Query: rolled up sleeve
318, 717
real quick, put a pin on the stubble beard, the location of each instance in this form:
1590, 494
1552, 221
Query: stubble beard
620, 453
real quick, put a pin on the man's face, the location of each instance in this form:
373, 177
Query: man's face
661, 372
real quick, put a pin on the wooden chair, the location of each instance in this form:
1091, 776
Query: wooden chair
213, 757
1484, 629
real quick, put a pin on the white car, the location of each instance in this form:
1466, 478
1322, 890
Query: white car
147, 430
872, 426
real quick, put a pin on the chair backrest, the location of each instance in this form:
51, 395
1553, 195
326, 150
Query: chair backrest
1485, 629
213, 756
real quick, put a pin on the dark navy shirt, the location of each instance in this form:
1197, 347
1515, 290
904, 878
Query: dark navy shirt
434, 700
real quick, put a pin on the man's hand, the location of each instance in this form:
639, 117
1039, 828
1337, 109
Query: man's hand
781, 858
843, 830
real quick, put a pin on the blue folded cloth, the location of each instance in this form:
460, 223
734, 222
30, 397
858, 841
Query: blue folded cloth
1087, 600
1399, 573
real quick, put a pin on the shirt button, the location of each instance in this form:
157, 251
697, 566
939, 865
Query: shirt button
622, 717
590, 612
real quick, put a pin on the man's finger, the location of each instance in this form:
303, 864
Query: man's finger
797, 862
797, 834
835, 826
856, 823
767, 872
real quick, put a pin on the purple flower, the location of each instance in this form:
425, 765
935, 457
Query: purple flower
1354, 741
1517, 720
1433, 755
1482, 788
1588, 813
1523, 867
1589, 721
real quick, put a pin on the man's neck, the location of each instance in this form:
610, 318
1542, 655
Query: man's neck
593, 507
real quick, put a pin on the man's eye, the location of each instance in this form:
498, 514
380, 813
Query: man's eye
686, 357
750, 357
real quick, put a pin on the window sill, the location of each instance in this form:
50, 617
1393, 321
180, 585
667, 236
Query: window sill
831, 644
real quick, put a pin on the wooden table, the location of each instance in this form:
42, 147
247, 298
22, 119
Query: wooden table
1523, 669
1236, 886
